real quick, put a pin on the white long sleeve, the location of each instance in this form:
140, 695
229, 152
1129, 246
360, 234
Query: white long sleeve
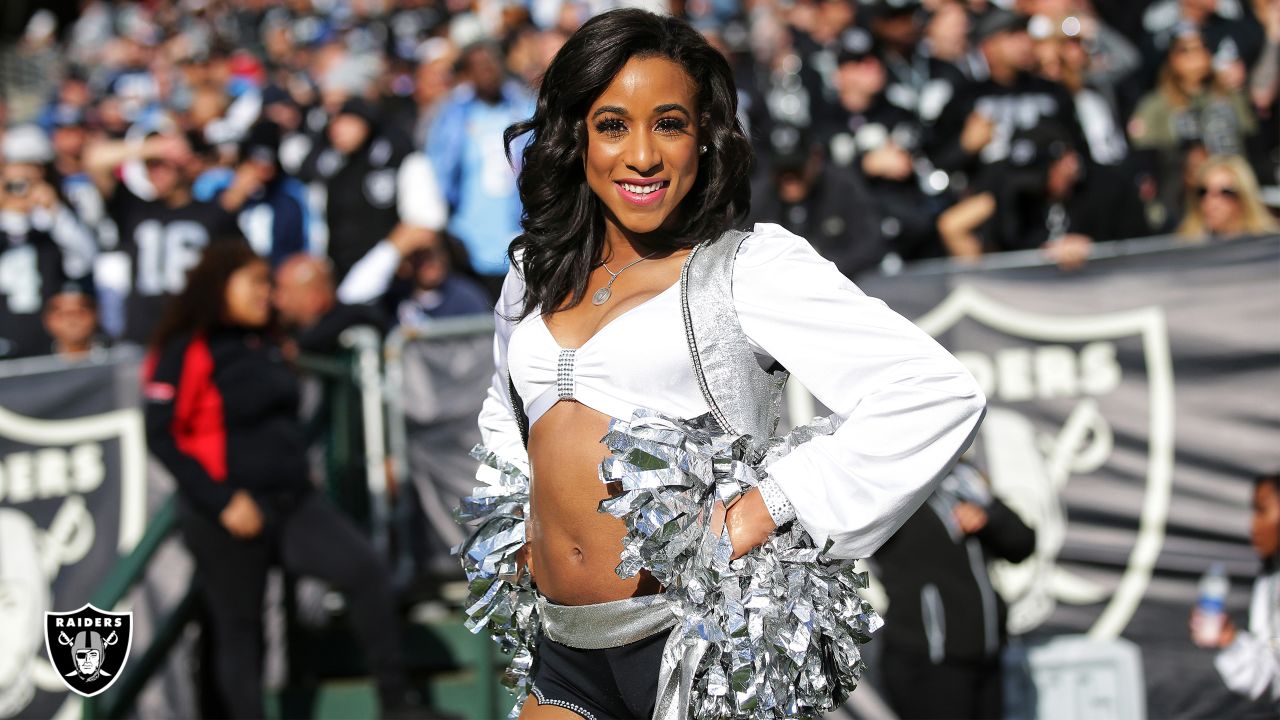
370, 277
419, 200
1251, 663
909, 407
498, 429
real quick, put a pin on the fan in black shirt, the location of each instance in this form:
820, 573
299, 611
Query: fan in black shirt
163, 230
886, 143
976, 128
1041, 198
31, 272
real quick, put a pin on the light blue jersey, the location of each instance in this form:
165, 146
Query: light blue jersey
465, 147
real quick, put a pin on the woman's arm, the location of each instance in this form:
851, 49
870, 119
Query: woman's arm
909, 407
1249, 665
498, 429
177, 369
958, 225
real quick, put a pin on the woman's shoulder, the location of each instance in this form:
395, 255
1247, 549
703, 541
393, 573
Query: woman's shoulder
511, 297
770, 248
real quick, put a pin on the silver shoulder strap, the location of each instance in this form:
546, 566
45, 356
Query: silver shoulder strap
744, 398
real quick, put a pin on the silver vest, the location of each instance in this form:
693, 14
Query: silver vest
745, 399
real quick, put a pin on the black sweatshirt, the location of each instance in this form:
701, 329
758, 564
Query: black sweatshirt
222, 415
941, 603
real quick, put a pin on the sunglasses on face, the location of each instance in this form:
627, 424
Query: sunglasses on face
1227, 192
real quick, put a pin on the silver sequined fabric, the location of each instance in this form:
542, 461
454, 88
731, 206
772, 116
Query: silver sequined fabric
744, 399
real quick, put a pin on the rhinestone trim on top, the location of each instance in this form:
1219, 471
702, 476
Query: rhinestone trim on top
564, 374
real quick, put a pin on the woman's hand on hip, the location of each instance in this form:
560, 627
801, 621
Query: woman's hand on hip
749, 522
242, 517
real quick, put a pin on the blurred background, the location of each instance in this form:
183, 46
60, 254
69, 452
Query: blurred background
1077, 197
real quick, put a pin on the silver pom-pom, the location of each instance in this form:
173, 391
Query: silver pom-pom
500, 594
782, 624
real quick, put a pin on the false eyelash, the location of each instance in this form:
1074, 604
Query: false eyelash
611, 127
672, 125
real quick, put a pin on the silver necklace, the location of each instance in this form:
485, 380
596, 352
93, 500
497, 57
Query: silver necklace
603, 294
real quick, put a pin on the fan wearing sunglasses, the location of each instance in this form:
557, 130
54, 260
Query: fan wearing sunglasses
1225, 202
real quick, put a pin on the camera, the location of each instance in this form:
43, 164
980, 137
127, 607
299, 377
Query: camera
17, 188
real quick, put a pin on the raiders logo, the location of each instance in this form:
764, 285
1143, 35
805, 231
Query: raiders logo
88, 647
1060, 426
72, 502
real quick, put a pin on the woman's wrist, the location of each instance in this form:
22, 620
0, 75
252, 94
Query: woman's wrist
775, 501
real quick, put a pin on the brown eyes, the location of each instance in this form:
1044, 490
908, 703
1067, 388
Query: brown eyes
615, 127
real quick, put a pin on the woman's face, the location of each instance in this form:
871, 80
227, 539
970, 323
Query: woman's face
1190, 60
948, 31
642, 146
248, 299
1220, 201
1264, 532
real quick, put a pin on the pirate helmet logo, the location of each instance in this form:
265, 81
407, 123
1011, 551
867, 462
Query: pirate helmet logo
88, 647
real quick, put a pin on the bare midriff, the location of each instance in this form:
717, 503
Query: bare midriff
573, 547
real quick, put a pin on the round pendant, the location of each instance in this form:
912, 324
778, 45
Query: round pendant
601, 297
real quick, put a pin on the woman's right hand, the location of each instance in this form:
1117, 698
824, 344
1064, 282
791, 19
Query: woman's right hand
241, 517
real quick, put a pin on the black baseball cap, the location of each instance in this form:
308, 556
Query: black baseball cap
996, 21
891, 8
855, 45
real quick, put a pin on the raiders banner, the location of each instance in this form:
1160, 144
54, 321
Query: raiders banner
72, 502
1130, 406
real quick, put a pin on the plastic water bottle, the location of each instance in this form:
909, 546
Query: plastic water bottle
1210, 615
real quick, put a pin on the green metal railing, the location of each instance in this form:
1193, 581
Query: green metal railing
127, 573
338, 376
463, 668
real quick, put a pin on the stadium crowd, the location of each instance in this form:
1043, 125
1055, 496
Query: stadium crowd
370, 132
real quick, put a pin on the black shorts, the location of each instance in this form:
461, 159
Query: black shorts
620, 682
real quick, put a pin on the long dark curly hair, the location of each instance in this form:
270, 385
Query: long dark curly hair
563, 221
201, 305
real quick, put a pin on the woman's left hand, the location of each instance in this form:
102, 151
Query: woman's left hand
749, 522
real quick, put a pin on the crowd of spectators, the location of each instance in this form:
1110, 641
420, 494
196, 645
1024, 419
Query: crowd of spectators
369, 132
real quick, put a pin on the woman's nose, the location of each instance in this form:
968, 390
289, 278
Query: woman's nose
642, 154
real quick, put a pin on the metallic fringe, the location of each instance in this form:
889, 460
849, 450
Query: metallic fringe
782, 625
500, 596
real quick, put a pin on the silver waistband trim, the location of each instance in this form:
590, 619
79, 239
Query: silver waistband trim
605, 625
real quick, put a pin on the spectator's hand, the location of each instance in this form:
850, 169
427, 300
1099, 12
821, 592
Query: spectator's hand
247, 181
389, 469
890, 161
748, 521
43, 195
407, 238
1226, 636
971, 518
1271, 20
242, 517
978, 131
1070, 251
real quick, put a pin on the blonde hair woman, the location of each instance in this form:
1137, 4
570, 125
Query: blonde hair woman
1225, 202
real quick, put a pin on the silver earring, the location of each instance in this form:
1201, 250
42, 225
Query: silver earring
702, 149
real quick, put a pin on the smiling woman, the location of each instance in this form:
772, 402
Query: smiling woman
633, 178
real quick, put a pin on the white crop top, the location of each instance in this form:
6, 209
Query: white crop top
909, 407
639, 359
